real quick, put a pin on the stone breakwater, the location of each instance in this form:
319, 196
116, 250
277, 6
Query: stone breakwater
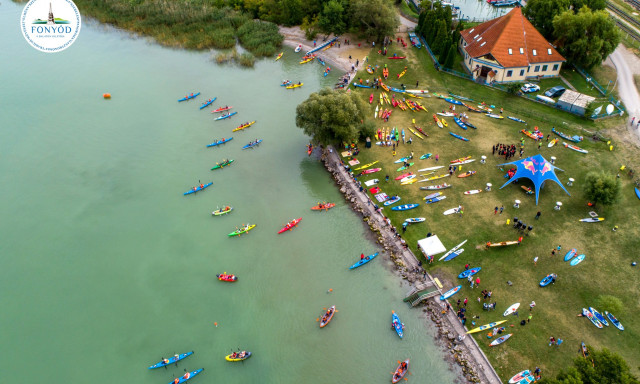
460, 350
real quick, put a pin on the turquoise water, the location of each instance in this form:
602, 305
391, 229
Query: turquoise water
107, 267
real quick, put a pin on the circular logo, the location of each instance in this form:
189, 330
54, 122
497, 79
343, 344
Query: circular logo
50, 25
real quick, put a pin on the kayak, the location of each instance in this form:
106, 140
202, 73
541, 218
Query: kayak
326, 318
453, 255
523, 377
614, 321
450, 292
226, 116
404, 175
222, 211
242, 230
207, 103
586, 313
189, 376
452, 101
172, 360
486, 326
396, 323
413, 220
516, 119
592, 219
546, 280
460, 123
294, 86
436, 187
453, 249
599, 316
469, 272
575, 148
223, 164
324, 207
512, 309
298, 48
372, 170
279, 56
252, 144
396, 57
221, 109
239, 356
570, 254
493, 115
197, 189
193, 96
467, 174
364, 261
227, 277
405, 207
404, 167
392, 200
400, 372
637, 192
433, 195
285, 83
468, 124
243, 126
575, 139
366, 166
290, 225
576, 260
458, 136
435, 199
218, 142
500, 340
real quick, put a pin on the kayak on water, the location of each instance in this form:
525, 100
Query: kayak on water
323, 206
198, 188
225, 116
290, 225
252, 144
187, 376
238, 356
221, 109
174, 359
326, 318
222, 211
227, 277
244, 229
402, 370
207, 103
285, 83
223, 164
397, 324
218, 142
363, 260
189, 97
279, 56
244, 126
294, 86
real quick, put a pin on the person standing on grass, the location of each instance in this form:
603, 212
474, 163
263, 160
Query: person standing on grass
501, 209
532, 305
538, 215
477, 282
529, 318
535, 261
495, 210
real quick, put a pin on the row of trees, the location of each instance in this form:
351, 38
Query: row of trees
442, 35
599, 367
583, 31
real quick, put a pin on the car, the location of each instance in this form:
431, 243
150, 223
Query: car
555, 91
529, 87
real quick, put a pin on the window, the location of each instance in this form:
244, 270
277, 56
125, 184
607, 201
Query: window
528, 69
522, 72
510, 51
509, 73
536, 69
483, 43
471, 31
521, 51
549, 51
555, 67
480, 38
535, 53
469, 61
544, 68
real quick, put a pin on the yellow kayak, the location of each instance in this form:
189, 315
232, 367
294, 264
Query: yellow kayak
294, 86
415, 133
307, 60
243, 126
279, 56
486, 326
238, 356
438, 177
366, 166
444, 122
408, 182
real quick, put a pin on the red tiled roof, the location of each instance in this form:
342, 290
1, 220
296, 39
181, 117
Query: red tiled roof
511, 31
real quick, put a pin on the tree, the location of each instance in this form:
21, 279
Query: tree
375, 18
603, 367
541, 13
451, 57
513, 88
332, 116
444, 50
602, 188
595, 5
586, 38
332, 17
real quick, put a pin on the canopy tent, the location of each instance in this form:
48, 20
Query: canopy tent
536, 169
431, 246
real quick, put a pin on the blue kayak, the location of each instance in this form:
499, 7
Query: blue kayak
321, 61
189, 97
435, 199
225, 116
515, 119
453, 255
218, 142
405, 207
360, 85
468, 124
392, 200
207, 103
452, 101
191, 376
599, 316
570, 254
286, 84
614, 321
576, 260
252, 144
197, 189
546, 281
172, 360
363, 261
460, 123
638, 192
458, 136
450, 292
469, 272
397, 324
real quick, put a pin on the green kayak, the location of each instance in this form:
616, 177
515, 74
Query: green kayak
242, 230
223, 164
404, 167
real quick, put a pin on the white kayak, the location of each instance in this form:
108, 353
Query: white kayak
511, 309
369, 183
592, 220
453, 249
450, 211
430, 169
472, 192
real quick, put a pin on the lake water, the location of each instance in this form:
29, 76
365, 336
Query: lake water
479, 10
107, 267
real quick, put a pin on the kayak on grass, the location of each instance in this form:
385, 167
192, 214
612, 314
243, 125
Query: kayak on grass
238, 356
392, 200
458, 136
227, 277
189, 97
550, 278
326, 318
363, 260
290, 225
226, 116
397, 324
486, 326
218, 142
500, 340
223, 164
207, 103
614, 321
402, 369
244, 229
469, 272
222, 211
187, 376
198, 188
174, 359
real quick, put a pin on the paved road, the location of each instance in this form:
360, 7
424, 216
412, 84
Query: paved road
627, 88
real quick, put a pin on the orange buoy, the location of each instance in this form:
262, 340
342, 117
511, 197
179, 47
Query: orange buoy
106, 95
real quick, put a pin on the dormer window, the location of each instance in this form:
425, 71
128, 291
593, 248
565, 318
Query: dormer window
471, 31
522, 51
510, 51
480, 39
535, 53
483, 43
549, 51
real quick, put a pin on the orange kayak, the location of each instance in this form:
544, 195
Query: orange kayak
326, 318
467, 174
325, 207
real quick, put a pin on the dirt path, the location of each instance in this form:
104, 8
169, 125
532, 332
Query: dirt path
627, 64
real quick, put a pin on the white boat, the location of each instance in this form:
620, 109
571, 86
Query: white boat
299, 48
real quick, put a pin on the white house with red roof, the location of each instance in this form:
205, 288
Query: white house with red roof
508, 48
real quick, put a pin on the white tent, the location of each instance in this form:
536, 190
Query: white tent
431, 246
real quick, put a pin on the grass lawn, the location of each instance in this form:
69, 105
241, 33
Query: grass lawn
408, 10
580, 83
606, 269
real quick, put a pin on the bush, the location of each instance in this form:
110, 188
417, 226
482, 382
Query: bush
262, 38
246, 59
609, 303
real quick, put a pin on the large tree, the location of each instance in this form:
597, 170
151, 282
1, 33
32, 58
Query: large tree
541, 13
595, 5
375, 18
600, 367
333, 117
602, 188
332, 19
586, 38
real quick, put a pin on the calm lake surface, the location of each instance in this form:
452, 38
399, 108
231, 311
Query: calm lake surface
107, 267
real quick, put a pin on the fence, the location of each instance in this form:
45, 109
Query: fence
616, 103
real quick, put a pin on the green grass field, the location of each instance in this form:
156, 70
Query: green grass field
606, 269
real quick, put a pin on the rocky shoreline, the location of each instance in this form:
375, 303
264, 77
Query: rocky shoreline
463, 353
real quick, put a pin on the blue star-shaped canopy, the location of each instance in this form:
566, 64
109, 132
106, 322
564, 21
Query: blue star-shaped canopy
536, 169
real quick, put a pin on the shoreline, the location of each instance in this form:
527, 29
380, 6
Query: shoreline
459, 351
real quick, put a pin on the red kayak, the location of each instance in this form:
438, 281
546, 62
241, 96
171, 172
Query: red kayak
309, 149
368, 171
371, 99
325, 207
227, 277
290, 225
221, 109
396, 57
404, 175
